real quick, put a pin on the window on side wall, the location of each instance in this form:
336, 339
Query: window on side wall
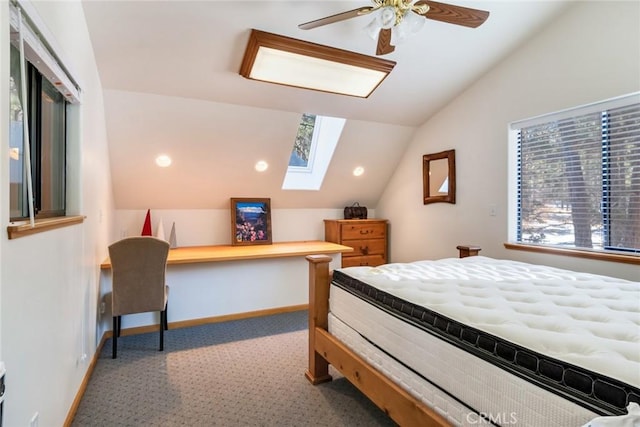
37, 146
578, 177
46, 110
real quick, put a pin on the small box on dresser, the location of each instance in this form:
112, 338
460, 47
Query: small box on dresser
367, 237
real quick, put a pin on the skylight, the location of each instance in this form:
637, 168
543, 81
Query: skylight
313, 147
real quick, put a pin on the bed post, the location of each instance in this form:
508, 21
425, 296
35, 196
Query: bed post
468, 250
318, 371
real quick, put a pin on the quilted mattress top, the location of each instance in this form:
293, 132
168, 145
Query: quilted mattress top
584, 319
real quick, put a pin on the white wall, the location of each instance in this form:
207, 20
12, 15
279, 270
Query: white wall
49, 281
590, 53
197, 227
215, 147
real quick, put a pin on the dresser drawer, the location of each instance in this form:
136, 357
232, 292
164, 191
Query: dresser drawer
363, 231
365, 247
370, 260
367, 237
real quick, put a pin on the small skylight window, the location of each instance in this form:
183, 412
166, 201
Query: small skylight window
302, 145
313, 147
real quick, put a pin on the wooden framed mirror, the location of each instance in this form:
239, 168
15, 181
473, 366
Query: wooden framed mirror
439, 177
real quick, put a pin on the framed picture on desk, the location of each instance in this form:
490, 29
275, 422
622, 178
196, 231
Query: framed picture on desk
250, 221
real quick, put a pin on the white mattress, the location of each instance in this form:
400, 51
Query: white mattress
484, 388
534, 306
588, 320
454, 411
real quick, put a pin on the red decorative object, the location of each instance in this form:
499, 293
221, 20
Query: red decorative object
146, 228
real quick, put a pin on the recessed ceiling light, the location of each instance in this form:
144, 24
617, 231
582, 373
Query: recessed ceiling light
358, 171
261, 166
163, 160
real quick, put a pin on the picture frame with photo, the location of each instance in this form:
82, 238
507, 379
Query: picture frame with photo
250, 221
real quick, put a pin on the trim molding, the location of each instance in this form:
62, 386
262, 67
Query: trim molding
237, 316
83, 385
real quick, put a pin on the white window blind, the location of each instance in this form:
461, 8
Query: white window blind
579, 178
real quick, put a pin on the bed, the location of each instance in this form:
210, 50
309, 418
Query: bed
476, 340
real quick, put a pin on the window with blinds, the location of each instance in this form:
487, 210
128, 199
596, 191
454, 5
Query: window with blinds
578, 177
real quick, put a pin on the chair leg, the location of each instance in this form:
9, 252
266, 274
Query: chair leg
115, 337
119, 325
166, 317
163, 319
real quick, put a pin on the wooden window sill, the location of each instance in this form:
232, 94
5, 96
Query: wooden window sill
23, 228
601, 256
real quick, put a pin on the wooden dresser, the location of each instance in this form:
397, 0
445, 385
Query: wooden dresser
367, 237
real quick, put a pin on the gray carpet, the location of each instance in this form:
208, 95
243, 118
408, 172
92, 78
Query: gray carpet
240, 373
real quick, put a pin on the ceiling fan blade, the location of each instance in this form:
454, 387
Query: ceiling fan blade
384, 42
337, 17
454, 14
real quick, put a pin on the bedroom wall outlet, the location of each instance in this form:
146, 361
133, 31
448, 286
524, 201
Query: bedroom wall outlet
81, 359
493, 210
103, 307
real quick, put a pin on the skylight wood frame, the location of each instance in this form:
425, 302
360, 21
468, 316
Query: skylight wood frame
340, 58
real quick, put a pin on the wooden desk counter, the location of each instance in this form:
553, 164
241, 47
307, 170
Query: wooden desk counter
219, 253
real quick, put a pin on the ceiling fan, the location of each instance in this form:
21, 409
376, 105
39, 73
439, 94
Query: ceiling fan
395, 20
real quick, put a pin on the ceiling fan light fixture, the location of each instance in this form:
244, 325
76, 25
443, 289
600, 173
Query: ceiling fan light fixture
384, 17
283, 60
395, 20
411, 24
387, 17
373, 28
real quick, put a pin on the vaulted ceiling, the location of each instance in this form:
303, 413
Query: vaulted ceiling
169, 70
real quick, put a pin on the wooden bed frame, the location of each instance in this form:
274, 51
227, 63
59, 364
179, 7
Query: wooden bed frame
325, 349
